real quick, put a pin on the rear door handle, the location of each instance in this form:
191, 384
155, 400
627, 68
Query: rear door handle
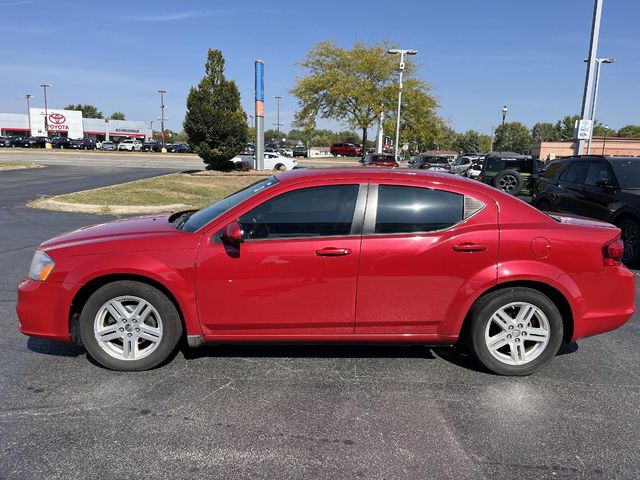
333, 252
470, 247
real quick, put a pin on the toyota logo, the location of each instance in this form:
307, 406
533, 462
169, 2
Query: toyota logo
57, 118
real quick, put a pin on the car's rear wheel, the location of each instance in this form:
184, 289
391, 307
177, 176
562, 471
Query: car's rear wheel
630, 233
280, 168
509, 181
515, 331
128, 325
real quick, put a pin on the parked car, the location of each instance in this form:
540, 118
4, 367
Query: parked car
130, 145
300, 151
462, 164
273, 161
380, 160
510, 172
108, 145
60, 142
151, 146
436, 163
329, 246
33, 142
178, 148
271, 147
285, 152
248, 150
11, 141
345, 150
5, 142
475, 169
605, 188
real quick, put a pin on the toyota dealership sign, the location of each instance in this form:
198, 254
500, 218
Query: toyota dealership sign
59, 122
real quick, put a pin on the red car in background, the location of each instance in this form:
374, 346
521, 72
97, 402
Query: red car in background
380, 160
345, 150
353, 255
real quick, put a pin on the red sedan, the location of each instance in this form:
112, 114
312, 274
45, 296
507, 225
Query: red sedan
354, 255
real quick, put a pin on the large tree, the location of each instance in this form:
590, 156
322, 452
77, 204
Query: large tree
545, 132
513, 137
566, 127
215, 121
354, 86
468, 141
88, 111
117, 116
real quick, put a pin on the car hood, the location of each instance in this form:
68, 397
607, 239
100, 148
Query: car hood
577, 220
119, 229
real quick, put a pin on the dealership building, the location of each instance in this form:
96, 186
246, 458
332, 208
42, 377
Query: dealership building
70, 123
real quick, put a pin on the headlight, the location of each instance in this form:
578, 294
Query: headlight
41, 266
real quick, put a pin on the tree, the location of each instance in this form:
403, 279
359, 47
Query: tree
468, 141
566, 127
630, 131
513, 137
215, 121
352, 86
117, 116
600, 130
486, 143
545, 132
88, 111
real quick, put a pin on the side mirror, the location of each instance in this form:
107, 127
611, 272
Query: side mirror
233, 233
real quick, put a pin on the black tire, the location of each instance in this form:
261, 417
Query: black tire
280, 168
509, 181
544, 205
334, 154
171, 325
630, 233
481, 315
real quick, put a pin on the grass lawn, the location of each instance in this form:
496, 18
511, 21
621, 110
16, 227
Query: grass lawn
193, 190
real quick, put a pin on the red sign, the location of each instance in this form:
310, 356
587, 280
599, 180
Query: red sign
57, 118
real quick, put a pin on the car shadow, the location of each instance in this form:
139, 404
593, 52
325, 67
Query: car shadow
51, 347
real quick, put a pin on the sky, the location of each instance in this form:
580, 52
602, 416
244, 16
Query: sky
477, 55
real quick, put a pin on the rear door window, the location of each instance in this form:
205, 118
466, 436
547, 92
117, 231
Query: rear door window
598, 171
404, 209
574, 173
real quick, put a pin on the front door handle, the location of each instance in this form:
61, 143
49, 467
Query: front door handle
470, 247
333, 252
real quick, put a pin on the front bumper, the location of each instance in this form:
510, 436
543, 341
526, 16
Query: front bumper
43, 309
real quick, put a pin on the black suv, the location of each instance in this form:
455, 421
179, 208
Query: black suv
300, 151
604, 188
151, 146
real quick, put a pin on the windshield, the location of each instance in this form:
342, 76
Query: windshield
435, 160
204, 216
628, 173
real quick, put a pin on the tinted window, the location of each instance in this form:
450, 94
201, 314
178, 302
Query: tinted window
553, 169
628, 173
598, 171
573, 174
308, 212
413, 209
499, 164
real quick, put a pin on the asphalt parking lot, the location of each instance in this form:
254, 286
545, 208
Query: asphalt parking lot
295, 411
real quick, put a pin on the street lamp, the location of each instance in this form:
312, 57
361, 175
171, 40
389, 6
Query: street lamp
504, 115
28, 96
395, 51
46, 111
278, 98
599, 62
162, 93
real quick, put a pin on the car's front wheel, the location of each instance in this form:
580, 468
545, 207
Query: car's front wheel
630, 232
515, 331
128, 325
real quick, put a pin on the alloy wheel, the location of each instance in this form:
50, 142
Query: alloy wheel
517, 333
508, 183
630, 238
128, 328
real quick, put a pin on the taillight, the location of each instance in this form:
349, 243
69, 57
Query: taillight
612, 253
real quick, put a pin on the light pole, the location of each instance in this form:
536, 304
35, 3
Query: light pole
395, 51
599, 62
504, 115
162, 92
28, 96
46, 111
606, 129
278, 98
151, 125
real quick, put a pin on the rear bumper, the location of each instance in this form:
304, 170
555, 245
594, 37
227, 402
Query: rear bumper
602, 301
43, 310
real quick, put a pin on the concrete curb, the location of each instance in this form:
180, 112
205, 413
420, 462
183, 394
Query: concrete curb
52, 204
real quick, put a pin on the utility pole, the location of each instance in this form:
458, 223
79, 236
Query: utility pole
599, 62
28, 97
395, 51
259, 93
585, 126
278, 124
380, 136
162, 93
46, 111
